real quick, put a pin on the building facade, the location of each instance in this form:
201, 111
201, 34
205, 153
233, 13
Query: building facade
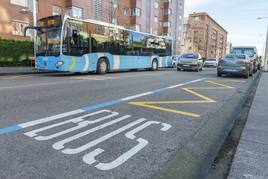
159, 17
201, 33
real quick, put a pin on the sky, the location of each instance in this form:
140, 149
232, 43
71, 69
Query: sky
238, 17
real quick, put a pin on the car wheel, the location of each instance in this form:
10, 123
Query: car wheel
251, 73
246, 75
102, 66
154, 65
219, 74
178, 69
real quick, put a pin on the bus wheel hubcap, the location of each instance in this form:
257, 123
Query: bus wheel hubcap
154, 65
103, 66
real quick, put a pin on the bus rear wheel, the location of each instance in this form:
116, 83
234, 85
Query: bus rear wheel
154, 65
102, 66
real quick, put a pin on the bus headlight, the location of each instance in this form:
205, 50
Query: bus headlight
59, 64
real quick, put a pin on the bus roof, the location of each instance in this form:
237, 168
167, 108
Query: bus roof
113, 26
244, 47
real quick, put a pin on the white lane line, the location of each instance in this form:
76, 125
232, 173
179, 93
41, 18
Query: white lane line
40, 84
136, 96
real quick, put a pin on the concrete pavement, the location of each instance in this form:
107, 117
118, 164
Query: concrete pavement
251, 158
119, 125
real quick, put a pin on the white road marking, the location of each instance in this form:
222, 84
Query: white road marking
136, 96
75, 120
90, 158
101, 139
60, 145
52, 118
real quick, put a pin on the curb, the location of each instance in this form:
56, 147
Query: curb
23, 73
195, 159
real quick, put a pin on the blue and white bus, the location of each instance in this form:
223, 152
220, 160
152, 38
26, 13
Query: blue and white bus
74, 45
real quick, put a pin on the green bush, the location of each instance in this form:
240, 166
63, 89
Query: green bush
14, 52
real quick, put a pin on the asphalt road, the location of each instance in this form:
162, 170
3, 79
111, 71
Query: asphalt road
119, 125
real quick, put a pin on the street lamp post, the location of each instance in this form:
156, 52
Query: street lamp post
266, 46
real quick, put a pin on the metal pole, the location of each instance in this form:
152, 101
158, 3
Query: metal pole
266, 52
34, 24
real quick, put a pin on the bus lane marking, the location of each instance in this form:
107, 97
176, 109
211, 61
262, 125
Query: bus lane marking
90, 157
190, 90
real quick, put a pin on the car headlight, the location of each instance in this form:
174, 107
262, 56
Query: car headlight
59, 63
195, 63
243, 68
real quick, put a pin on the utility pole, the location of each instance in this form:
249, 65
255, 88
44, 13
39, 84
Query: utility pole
266, 46
34, 24
266, 52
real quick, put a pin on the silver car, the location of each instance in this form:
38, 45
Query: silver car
190, 61
235, 65
211, 62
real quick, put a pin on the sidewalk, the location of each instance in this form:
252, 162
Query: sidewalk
251, 158
18, 70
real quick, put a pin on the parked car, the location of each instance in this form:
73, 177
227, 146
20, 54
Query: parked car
251, 51
190, 61
235, 65
211, 62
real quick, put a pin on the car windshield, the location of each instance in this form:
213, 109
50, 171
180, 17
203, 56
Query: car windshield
229, 57
48, 42
241, 56
190, 56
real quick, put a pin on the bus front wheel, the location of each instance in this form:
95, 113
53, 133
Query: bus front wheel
102, 66
154, 65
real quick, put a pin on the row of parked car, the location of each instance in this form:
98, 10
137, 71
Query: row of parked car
242, 61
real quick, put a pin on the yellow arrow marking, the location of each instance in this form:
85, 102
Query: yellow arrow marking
190, 90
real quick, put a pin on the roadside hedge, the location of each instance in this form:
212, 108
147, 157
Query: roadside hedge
14, 52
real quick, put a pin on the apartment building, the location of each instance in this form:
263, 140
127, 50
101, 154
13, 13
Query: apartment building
159, 17
201, 33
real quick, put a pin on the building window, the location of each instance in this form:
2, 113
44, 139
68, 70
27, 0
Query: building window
155, 19
137, 27
156, 4
136, 12
23, 3
196, 19
56, 10
114, 21
115, 5
166, 11
75, 12
126, 11
18, 28
165, 24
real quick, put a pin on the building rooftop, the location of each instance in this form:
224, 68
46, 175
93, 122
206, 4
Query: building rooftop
206, 14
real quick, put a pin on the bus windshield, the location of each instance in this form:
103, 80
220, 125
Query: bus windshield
247, 51
48, 42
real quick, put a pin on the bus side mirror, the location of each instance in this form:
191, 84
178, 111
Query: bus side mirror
25, 30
